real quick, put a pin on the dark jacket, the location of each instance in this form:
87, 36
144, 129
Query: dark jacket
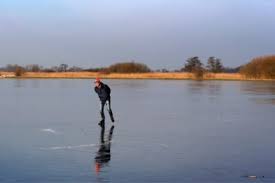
103, 92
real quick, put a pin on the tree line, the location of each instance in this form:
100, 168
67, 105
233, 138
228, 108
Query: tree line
123, 67
260, 67
213, 65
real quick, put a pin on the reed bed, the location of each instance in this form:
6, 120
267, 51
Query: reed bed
150, 75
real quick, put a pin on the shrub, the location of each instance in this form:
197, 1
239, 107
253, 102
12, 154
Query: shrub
19, 71
260, 67
128, 67
198, 73
98, 69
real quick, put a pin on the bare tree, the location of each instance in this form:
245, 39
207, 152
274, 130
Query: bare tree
63, 68
33, 68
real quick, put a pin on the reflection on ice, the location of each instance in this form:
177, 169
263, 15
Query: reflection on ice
103, 155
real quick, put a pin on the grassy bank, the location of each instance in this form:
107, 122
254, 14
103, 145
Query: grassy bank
151, 75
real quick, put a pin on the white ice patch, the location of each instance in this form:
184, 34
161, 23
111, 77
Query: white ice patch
49, 130
68, 147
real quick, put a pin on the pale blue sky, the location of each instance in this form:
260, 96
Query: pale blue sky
159, 33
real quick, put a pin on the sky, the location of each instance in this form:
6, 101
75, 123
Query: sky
159, 33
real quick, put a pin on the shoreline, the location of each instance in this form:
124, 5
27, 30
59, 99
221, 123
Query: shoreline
152, 75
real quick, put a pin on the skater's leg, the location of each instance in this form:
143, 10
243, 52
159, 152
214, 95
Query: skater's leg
102, 104
108, 103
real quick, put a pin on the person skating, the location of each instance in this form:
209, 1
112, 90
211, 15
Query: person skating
104, 94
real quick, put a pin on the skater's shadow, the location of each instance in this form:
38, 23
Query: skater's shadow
103, 155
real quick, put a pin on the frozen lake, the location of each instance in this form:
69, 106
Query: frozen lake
165, 131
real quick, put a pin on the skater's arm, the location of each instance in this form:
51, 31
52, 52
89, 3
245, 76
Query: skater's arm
95, 90
108, 89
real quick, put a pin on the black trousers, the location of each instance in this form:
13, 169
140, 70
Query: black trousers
102, 106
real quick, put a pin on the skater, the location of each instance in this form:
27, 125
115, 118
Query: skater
104, 92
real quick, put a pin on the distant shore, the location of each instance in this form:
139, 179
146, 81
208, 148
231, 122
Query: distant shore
150, 75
